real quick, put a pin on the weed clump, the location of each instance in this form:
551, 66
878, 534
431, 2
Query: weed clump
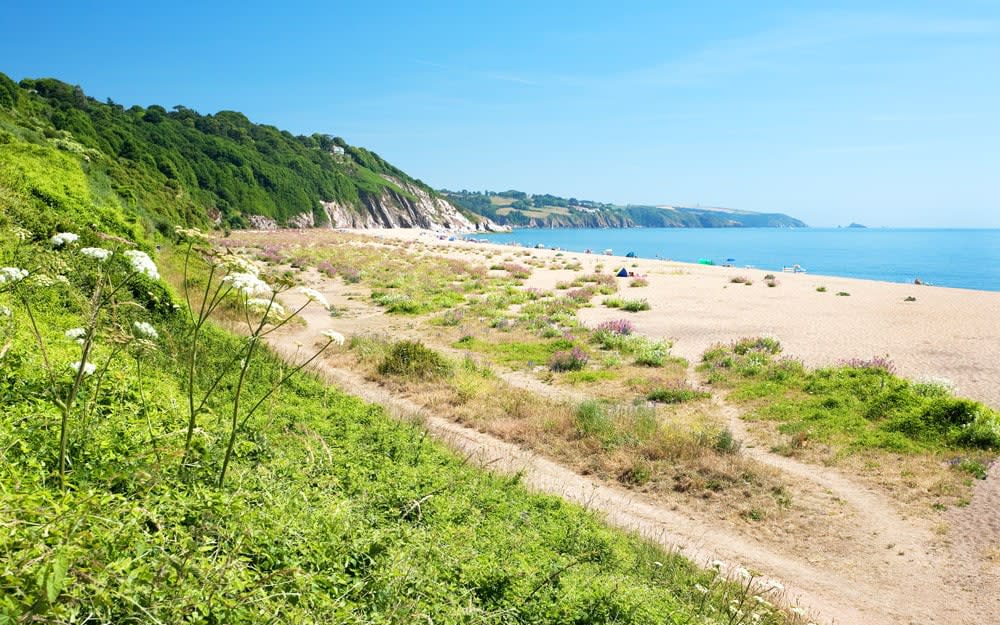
676, 394
412, 359
572, 360
635, 305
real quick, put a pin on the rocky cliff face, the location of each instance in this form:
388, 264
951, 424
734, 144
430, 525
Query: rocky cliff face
413, 208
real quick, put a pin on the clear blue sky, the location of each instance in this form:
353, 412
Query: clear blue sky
887, 113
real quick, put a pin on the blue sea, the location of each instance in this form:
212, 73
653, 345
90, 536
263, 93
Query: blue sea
968, 259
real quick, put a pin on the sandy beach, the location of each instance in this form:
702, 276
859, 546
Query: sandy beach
950, 335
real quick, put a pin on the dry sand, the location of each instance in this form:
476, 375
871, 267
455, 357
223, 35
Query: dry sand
947, 334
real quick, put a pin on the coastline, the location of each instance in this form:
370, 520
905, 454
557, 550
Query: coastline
948, 334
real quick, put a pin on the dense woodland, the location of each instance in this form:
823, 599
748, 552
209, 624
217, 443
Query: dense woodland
179, 165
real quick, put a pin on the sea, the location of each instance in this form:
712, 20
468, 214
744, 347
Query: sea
958, 258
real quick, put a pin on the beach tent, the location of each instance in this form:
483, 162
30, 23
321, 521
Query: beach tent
622, 273
631, 255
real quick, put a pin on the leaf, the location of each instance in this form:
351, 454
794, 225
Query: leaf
56, 578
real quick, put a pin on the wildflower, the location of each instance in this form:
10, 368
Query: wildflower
142, 263
762, 601
20, 233
76, 334
145, 330
263, 303
64, 238
98, 253
700, 588
314, 296
88, 368
4, 311
247, 283
238, 264
796, 610
189, 234
334, 336
12, 274
742, 572
717, 564
657, 563
774, 585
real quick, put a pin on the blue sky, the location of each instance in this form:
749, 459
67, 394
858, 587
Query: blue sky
884, 113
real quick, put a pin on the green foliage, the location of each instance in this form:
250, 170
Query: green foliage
856, 405
635, 305
413, 359
182, 167
676, 394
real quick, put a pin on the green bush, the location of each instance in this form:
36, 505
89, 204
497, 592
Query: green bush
676, 394
412, 359
635, 305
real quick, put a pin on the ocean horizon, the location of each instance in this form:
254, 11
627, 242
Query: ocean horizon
964, 258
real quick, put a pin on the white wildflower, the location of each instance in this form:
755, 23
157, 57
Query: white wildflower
98, 253
12, 274
21, 234
796, 610
762, 601
88, 369
247, 283
742, 572
76, 334
700, 588
717, 564
657, 563
334, 336
262, 304
238, 264
145, 330
776, 585
142, 263
314, 296
5, 312
189, 234
64, 238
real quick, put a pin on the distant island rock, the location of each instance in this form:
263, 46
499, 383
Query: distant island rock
857, 225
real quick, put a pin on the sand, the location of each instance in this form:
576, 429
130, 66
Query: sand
946, 335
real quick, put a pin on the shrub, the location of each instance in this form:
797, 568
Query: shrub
639, 282
878, 363
592, 419
843, 294
581, 295
909, 298
635, 305
725, 442
821, 289
652, 354
519, 272
741, 280
613, 302
676, 394
572, 360
413, 359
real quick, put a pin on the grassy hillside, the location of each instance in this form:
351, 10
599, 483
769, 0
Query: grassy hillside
179, 166
149, 474
519, 209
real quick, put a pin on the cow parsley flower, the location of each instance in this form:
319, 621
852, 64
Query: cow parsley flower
247, 283
315, 296
238, 264
142, 263
98, 253
145, 330
21, 234
88, 369
796, 610
76, 334
64, 238
12, 274
742, 572
334, 336
262, 303
5, 312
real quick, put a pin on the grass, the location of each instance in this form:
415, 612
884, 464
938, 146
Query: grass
860, 405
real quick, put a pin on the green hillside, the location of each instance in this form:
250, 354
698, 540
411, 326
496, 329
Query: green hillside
519, 209
179, 166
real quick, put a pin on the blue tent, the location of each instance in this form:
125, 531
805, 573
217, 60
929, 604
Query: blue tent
622, 273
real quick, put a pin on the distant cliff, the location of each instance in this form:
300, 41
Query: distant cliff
519, 209
182, 167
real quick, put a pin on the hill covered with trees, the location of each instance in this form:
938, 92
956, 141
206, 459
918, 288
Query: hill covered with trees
519, 209
180, 166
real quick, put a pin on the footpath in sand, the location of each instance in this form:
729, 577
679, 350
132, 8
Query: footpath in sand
892, 567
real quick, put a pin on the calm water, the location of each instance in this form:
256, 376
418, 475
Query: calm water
967, 259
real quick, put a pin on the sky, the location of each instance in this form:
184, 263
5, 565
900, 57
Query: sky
878, 112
